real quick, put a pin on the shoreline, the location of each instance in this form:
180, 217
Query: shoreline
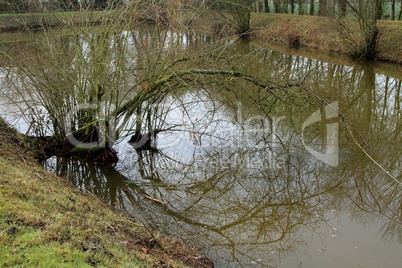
322, 34
313, 32
318, 34
44, 217
46, 222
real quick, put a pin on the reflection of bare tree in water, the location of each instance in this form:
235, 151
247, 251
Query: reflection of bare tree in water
219, 198
374, 193
377, 128
233, 199
242, 216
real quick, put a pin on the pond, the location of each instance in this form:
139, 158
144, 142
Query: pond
268, 178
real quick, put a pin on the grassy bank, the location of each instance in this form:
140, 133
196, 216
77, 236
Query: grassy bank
16, 22
313, 32
321, 33
46, 222
33, 21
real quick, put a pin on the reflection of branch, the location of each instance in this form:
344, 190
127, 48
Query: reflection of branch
361, 195
371, 158
349, 125
155, 200
379, 209
158, 84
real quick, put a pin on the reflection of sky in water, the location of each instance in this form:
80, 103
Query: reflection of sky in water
225, 188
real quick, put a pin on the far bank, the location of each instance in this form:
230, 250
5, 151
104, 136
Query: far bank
314, 32
323, 34
319, 33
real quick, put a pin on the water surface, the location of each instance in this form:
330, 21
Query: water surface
239, 178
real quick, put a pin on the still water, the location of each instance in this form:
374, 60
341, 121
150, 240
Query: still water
270, 178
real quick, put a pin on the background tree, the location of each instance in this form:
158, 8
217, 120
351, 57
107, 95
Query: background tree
16, 6
322, 8
393, 2
300, 7
239, 14
400, 11
312, 7
365, 14
379, 8
277, 6
292, 6
342, 7
266, 6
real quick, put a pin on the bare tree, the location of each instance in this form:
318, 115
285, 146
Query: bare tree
342, 7
363, 42
322, 7
239, 14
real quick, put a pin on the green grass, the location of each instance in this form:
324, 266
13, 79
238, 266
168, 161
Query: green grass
24, 249
41, 226
46, 222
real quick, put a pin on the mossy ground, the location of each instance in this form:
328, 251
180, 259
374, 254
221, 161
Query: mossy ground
46, 222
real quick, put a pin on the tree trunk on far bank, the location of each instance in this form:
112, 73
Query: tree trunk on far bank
292, 6
322, 7
342, 7
312, 7
266, 6
379, 8
362, 43
400, 12
393, 10
367, 12
301, 8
